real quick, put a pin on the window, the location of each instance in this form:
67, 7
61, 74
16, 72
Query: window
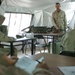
16, 22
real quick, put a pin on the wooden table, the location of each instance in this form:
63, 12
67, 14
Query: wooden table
53, 40
54, 60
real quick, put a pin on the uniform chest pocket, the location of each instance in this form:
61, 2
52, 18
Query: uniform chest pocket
62, 17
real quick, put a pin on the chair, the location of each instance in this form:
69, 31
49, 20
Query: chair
25, 43
39, 45
36, 44
24, 46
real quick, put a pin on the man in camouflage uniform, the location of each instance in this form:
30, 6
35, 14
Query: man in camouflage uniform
4, 38
59, 18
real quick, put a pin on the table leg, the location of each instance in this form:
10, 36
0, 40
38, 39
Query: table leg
23, 44
53, 46
11, 48
32, 47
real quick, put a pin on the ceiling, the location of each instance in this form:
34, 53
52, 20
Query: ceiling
32, 4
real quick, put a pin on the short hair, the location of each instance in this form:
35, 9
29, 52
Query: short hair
57, 3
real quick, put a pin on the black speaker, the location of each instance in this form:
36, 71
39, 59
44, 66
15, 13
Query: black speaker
1, 1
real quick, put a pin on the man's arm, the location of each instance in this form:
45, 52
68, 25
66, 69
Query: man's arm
42, 69
10, 61
65, 22
53, 22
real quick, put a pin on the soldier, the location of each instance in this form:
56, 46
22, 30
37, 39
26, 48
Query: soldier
59, 18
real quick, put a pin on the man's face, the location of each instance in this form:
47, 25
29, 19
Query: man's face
57, 6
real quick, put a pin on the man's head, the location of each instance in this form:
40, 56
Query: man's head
57, 5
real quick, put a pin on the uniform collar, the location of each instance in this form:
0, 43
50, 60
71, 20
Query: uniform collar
59, 11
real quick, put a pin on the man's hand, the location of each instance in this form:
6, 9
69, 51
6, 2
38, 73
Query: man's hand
57, 31
14, 58
42, 65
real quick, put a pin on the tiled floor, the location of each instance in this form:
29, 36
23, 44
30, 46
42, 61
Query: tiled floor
28, 52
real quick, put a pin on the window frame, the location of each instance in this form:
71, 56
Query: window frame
32, 15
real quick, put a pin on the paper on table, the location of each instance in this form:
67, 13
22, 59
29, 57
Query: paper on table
68, 70
27, 63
